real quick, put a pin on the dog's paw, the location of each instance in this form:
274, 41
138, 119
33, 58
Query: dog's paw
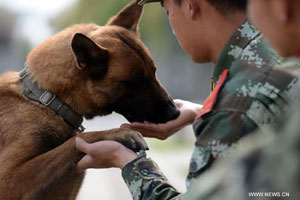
131, 139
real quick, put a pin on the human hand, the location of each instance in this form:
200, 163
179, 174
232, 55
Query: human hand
103, 154
188, 113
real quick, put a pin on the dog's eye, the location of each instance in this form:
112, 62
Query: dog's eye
139, 79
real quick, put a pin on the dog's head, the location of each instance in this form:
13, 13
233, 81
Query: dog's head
98, 70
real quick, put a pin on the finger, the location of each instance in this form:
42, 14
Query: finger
151, 133
82, 145
178, 102
84, 163
157, 127
125, 126
147, 127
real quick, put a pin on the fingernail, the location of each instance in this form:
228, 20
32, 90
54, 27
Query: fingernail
125, 126
77, 139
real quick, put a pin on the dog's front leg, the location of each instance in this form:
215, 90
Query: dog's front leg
129, 138
40, 173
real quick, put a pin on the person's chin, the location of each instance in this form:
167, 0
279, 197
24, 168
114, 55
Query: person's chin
285, 53
200, 60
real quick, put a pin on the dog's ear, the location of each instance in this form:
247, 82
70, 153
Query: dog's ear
90, 57
128, 17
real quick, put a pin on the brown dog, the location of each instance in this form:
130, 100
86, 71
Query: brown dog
94, 70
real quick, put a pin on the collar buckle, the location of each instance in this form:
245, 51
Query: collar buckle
81, 128
50, 100
23, 73
47, 97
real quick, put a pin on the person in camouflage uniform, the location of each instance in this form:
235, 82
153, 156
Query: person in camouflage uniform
266, 165
247, 94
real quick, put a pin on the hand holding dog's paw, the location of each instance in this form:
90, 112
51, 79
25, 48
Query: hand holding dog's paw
129, 138
133, 140
103, 154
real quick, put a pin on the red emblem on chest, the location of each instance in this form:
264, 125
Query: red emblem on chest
211, 99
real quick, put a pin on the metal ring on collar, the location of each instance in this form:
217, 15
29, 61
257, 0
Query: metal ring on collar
47, 97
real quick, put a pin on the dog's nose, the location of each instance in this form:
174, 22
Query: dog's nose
173, 112
170, 111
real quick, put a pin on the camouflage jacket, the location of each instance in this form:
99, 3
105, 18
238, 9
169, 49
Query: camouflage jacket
266, 166
247, 94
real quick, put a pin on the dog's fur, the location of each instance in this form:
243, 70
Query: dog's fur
95, 70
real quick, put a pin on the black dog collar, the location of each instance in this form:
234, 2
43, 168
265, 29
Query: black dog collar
32, 91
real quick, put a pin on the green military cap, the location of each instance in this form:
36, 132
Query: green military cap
142, 2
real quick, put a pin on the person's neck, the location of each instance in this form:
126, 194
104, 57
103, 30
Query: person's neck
223, 29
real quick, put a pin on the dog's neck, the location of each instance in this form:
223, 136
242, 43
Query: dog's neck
32, 90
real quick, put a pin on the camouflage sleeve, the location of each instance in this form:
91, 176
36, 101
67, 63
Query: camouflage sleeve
216, 133
145, 181
251, 99
257, 167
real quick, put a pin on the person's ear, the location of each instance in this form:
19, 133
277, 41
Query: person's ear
194, 8
282, 9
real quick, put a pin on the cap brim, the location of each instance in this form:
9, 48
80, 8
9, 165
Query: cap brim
142, 2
